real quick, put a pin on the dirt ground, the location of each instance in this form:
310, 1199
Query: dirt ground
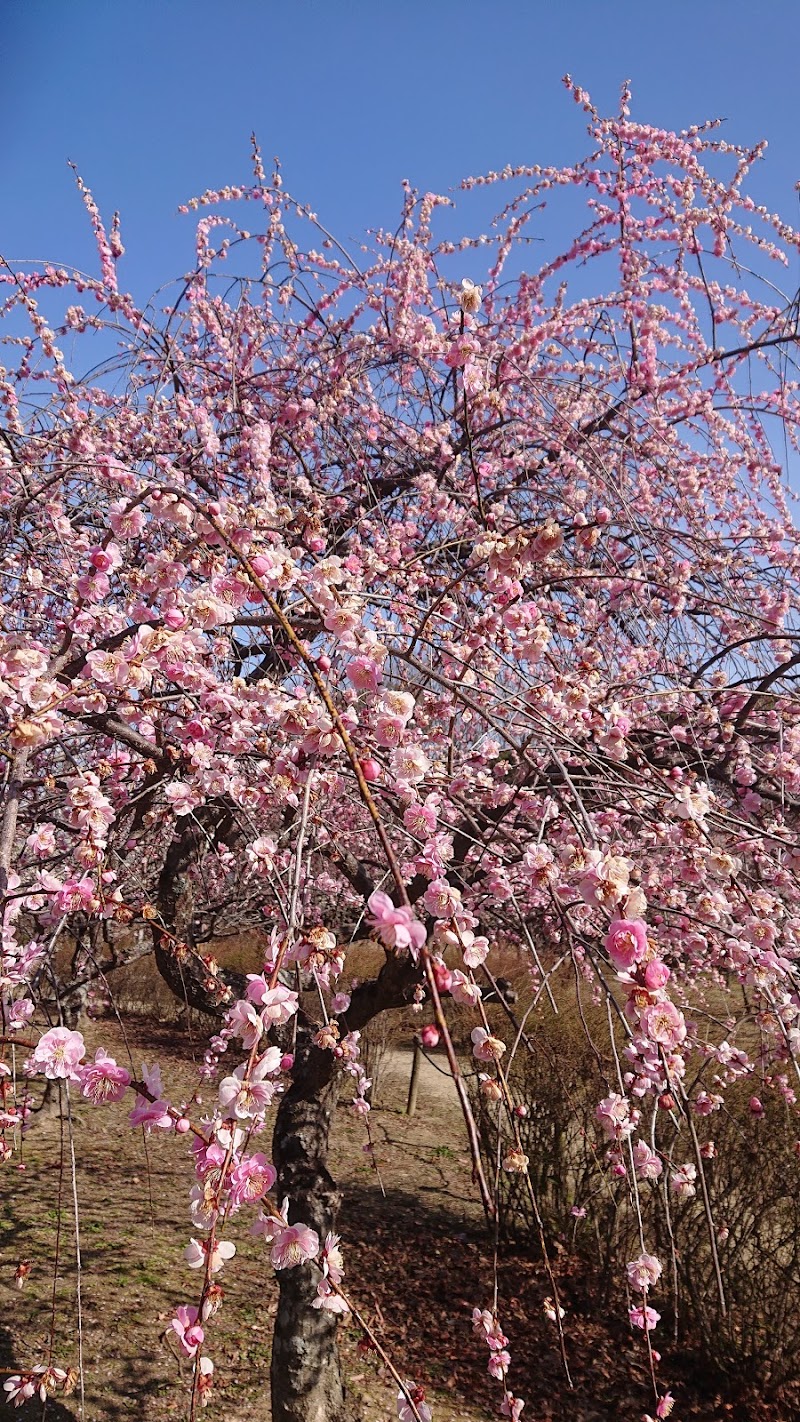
417, 1254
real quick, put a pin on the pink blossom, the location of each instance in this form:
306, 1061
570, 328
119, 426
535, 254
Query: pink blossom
615, 1116
644, 1317
250, 1095
656, 975
152, 1113
395, 927
103, 1081
511, 1406
404, 1410
463, 990
187, 1330
682, 1180
663, 1022
499, 1363
251, 1179
645, 1162
196, 1253
626, 943
291, 1244
19, 1014
278, 1003
245, 1023
332, 1261
429, 1035
328, 1299
485, 1047
58, 1053
643, 1273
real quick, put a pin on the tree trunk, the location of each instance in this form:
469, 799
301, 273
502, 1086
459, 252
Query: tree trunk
306, 1371
306, 1375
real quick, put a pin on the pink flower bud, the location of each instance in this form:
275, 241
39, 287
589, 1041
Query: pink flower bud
183, 1125
287, 1061
429, 1036
442, 975
324, 663
666, 1101
370, 770
756, 1107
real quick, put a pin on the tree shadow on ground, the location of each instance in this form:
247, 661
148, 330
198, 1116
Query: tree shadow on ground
439, 1267
52, 1410
422, 1269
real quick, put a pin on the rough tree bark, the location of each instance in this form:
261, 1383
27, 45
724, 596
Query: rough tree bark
306, 1375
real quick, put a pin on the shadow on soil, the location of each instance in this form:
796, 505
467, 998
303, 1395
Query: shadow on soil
52, 1411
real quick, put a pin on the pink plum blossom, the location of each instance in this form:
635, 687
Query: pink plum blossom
643, 1273
251, 1179
662, 1022
278, 1003
196, 1253
395, 927
102, 1081
485, 1047
58, 1054
291, 1244
626, 943
187, 1330
644, 1317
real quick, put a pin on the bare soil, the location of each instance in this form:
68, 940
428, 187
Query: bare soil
417, 1253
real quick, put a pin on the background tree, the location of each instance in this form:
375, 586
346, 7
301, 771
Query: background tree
359, 592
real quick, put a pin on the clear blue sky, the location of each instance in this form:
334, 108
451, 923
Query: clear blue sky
155, 101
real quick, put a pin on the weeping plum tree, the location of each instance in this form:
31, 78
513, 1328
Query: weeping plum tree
448, 592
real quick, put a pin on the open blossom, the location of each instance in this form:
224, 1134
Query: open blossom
615, 1116
499, 1363
58, 1053
626, 943
395, 927
463, 990
470, 297
205, 1380
152, 1113
516, 1162
328, 1299
250, 1095
18, 1014
251, 1179
102, 1080
646, 1163
642, 1317
643, 1273
511, 1406
486, 1048
196, 1253
278, 1003
663, 1022
682, 1181
291, 1244
246, 1023
42, 1380
187, 1330
409, 764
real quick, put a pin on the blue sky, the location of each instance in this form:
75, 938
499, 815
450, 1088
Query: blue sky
156, 101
